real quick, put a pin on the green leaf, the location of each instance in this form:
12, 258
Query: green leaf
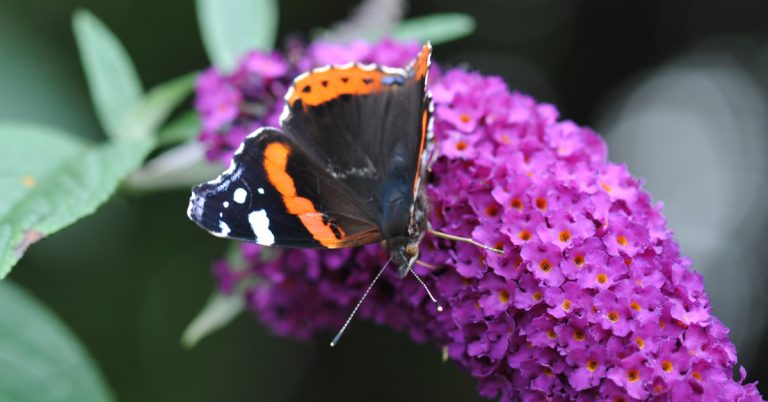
437, 28
182, 129
112, 79
40, 358
51, 179
182, 166
155, 107
230, 28
219, 311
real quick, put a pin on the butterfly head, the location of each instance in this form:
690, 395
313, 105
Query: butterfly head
404, 254
405, 249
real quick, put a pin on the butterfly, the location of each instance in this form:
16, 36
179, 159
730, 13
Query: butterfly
346, 168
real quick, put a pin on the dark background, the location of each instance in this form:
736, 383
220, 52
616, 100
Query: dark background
676, 87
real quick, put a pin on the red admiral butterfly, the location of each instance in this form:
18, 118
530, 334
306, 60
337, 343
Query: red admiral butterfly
345, 171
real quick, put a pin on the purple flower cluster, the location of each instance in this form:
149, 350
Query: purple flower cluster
591, 299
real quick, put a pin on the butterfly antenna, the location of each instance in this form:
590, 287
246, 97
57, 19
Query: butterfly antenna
424, 285
336, 338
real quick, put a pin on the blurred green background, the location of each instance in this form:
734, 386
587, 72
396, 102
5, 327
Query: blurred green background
128, 279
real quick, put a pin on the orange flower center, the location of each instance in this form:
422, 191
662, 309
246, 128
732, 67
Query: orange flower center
633, 375
516, 203
640, 342
504, 296
465, 118
591, 365
602, 278
545, 265
524, 235
565, 236
551, 334
578, 335
566, 304
696, 375
541, 203
613, 316
666, 365
537, 296
461, 145
578, 260
622, 240
635, 306
492, 210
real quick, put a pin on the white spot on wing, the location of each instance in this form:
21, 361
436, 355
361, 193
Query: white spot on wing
226, 204
224, 229
393, 70
260, 226
240, 195
260, 190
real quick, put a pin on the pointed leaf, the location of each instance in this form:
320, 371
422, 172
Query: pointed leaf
222, 308
219, 310
437, 28
182, 166
112, 79
182, 129
230, 28
40, 358
51, 179
155, 107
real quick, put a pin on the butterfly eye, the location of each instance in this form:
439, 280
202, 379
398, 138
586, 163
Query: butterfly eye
412, 249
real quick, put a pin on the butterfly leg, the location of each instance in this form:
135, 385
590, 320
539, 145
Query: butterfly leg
426, 264
443, 235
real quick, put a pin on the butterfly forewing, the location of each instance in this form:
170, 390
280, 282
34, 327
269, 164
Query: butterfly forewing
366, 125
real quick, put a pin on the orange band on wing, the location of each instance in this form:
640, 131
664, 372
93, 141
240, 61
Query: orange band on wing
275, 163
424, 122
421, 64
320, 87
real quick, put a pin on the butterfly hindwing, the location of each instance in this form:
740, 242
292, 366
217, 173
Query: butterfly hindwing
275, 194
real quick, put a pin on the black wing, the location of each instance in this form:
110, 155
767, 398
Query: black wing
366, 126
274, 194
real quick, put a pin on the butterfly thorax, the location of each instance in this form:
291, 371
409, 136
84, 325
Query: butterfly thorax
404, 247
